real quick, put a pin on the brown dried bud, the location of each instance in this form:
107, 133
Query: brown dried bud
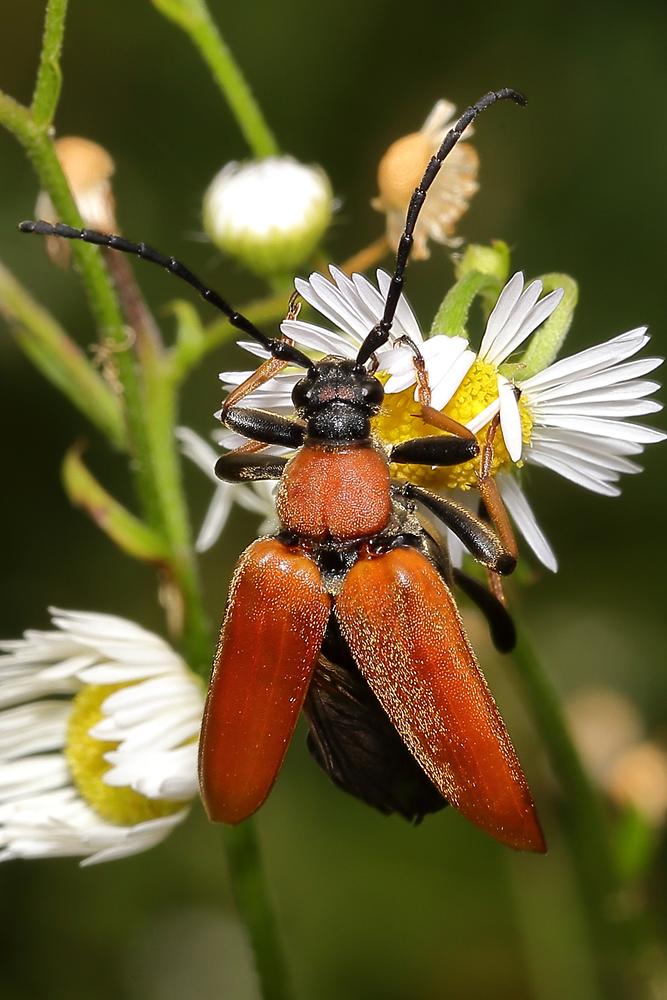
88, 169
401, 169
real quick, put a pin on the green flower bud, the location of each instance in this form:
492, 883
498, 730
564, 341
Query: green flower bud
270, 214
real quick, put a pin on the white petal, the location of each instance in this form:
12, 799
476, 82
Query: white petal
507, 300
577, 472
616, 376
215, 518
405, 321
316, 338
484, 416
590, 361
520, 314
522, 515
444, 389
609, 428
510, 418
536, 316
198, 451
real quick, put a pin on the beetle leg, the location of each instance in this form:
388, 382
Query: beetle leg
484, 544
493, 509
267, 370
236, 467
499, 620
435, 450
264, 426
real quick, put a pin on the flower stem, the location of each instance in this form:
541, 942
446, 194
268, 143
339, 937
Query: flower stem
367, 257
250, 894
614, 932
194, 17
49, 74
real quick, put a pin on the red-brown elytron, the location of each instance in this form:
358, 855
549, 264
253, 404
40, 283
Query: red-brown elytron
347, 612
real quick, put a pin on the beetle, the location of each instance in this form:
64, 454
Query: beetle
347, 610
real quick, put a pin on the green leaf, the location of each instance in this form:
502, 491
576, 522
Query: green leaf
60, 359
482, 272
127, 531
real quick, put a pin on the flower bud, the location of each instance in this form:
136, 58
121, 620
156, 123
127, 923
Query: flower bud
401, 169
88, 169
270, 214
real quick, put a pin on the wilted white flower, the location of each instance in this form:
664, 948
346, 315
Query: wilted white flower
270, 213
401, 169
99, 721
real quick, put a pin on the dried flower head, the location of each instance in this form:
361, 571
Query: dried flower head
401, 169
88, 169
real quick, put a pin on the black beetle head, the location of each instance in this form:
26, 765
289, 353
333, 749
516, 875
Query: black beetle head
337, 380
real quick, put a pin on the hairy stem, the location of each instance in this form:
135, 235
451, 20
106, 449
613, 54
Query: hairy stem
194, 17
587, 829
250, 893
49, 75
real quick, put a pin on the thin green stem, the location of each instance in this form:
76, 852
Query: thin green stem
49, 74
161, 411
194, 17
189, 352
96, 282
251, 897
586, 826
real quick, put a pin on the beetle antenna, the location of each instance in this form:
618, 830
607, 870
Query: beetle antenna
379, 335
277, 348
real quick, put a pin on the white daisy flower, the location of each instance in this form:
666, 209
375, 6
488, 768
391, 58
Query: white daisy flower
256, 497
354, 306
401, 169
270, 213
99, 722
572, 417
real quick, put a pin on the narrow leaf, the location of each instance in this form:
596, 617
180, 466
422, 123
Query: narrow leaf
127, 531
60, 359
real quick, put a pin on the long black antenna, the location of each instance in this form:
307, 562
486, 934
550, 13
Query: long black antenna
277, 348
379, 335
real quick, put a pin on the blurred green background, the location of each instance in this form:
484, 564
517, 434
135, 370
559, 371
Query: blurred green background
370, 908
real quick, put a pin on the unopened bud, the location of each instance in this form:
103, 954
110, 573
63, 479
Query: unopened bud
270, 214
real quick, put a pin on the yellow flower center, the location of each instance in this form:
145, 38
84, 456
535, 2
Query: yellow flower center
85, 757
399, 420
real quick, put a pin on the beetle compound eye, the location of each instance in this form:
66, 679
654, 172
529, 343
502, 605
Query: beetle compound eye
373, 392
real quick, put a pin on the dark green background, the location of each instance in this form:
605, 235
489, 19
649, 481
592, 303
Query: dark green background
370, 907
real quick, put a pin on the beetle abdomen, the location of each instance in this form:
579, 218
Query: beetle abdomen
339, 493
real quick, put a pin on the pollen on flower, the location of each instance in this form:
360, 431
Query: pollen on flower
399, 420
85, 759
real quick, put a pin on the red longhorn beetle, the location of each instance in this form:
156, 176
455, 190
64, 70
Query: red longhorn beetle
347, 610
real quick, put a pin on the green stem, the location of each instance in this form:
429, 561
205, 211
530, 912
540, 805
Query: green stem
586, 824
96, 282
49, 74
251, 897
161, 412
194, 17
188, 353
